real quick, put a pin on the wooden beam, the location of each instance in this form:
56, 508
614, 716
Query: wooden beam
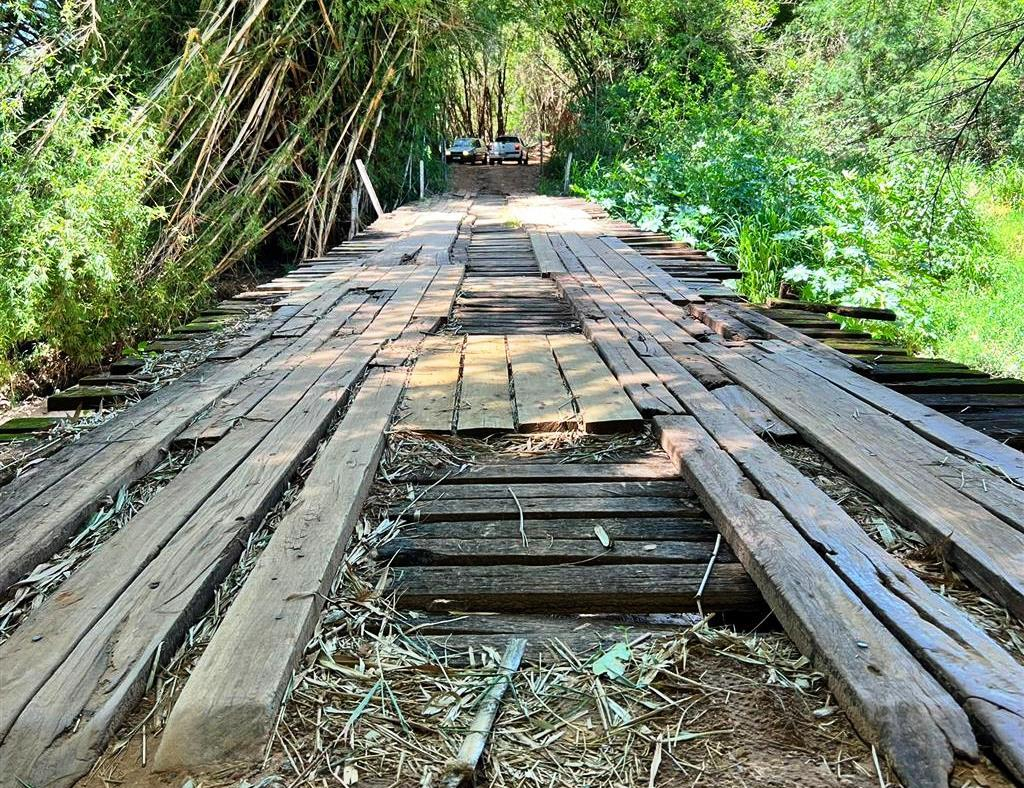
602, 404
624, 588
542, 401
976, 669
888, 696
229, 706
892, 463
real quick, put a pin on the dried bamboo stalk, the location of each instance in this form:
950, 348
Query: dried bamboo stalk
461, 771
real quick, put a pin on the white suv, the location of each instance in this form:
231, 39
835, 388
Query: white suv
508, 148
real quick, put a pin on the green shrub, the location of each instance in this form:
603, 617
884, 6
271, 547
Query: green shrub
78, 226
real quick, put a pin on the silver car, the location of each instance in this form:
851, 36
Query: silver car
466, 149
508, 148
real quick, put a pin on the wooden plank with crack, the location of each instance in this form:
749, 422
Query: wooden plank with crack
643, 468
421, 551
430, 395
602, 404
893, 463
37, 648
754, 413
622, 588
230, 703
485, 402
551, 508
888, 696
610, 488
642, 387
620, 528
542, 402
974, 667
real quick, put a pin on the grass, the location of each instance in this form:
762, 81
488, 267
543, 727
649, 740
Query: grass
979, 315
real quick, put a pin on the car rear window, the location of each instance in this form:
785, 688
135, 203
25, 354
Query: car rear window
509, 139
463, 141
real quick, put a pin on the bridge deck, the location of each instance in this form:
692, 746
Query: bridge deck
365, 421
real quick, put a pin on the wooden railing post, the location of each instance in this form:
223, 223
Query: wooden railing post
353, 223
568, 173
365, 177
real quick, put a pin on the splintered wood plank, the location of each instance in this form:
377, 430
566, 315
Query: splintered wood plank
602, 404
485, 404
542, 401
473, 552
430, 394
894, 464
646, 468
622, 528
754, 413
508, 507
974, 667
623, 588
890, 698
611, 488
230, 703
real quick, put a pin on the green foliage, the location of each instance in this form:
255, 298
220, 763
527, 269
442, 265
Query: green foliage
978, 315
77, 223
816, 155
146, 148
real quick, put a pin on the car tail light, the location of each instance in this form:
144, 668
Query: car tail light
516, 147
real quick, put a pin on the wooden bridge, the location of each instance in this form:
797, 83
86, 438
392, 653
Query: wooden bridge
477, 315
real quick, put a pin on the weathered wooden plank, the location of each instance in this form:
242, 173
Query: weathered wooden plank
642, 387
430, 394
541, 400
42, 508
36, 649
976, 669
939, 429
669, 285
697, 364
547, 258
862, 312
754, 413
655, 467
611, 488
485, 404
511, 551
775, 330
70, 718
888, 696
494, 509
602, 404
228, 708
440, 296
623, 588
891, 462
689, 528
156, 608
